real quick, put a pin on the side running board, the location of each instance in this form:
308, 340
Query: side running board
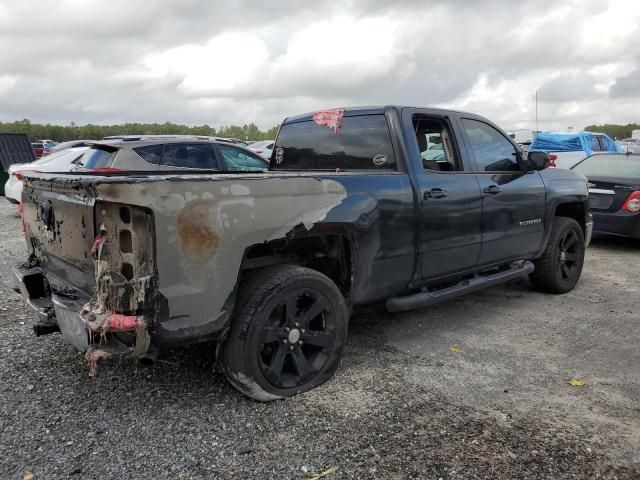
424, 299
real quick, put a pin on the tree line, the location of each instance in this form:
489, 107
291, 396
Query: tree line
617, 132
64, 133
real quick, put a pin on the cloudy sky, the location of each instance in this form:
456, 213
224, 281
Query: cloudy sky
241, 61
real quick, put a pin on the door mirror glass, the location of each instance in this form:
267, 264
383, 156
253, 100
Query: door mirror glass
538, 160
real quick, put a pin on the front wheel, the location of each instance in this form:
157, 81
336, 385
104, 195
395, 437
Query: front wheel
287, 333
558, 269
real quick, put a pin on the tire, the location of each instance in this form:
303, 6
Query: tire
270, 353
558, 269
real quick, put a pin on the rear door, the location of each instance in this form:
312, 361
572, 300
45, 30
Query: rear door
449, 199
513, 202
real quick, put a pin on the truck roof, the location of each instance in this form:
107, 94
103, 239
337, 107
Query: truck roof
361, 110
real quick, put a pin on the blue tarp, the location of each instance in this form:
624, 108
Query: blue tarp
570, 142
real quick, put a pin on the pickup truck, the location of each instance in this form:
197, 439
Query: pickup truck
268, 265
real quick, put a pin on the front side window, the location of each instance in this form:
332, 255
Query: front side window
360, 142
492, 151
236, 159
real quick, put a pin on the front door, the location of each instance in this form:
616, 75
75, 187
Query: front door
513, 202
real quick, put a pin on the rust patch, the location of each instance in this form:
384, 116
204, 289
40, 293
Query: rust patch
195, 225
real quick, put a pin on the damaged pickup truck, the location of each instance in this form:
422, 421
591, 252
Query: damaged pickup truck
409, 206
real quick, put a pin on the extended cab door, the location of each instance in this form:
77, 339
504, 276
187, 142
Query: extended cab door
513, 201
449, 199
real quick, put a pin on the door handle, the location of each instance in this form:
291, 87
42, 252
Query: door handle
492, 189
435, 193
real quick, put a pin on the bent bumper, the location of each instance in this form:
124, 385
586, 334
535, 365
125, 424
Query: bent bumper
63, 310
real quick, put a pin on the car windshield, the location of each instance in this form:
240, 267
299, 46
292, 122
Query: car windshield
97, 158
621, 165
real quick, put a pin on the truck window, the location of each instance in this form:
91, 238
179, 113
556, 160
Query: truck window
436, 145
594, 144
362, 143
492, 151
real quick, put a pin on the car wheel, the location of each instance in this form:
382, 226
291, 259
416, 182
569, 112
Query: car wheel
287, 334
558, 269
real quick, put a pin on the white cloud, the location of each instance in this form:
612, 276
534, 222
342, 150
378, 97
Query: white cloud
194, 61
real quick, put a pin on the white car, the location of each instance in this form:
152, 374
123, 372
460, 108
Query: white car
63, 161
264, 148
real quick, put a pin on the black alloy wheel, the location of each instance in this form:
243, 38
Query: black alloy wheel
287, 334
559, 267
297, 338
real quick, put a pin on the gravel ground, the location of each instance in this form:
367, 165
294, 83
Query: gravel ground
475, 388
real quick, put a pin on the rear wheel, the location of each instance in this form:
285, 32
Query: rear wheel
287, 334
558, 269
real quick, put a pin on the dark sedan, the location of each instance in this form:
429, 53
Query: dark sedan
614, 192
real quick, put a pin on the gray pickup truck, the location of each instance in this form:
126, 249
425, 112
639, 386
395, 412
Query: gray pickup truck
408, 206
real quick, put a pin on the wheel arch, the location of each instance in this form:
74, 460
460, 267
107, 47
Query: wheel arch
326, 248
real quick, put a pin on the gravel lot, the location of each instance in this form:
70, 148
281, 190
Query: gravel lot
475, 388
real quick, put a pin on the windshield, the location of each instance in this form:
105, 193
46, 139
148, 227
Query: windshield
624, 166
97, 158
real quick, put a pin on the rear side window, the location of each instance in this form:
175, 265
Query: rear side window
594, 144
150, 153
179, 155
189, 156
362, 143
98, 158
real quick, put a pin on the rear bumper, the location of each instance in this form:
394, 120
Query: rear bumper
64, 311
622, 223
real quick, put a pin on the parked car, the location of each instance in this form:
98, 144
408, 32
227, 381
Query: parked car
169, 153
614, 192
48, 143
71, 144
38, 149
269, 265
264, 148
572, 147
58, 162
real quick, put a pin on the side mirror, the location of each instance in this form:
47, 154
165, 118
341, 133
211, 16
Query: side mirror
538, 160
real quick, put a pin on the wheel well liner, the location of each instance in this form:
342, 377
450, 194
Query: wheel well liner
330, 254
575, 210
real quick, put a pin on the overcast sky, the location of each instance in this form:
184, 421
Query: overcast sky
235, 62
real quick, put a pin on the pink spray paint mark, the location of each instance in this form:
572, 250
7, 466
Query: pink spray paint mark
329, 118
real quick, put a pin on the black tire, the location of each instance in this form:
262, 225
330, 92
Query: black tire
287, 334
558, 269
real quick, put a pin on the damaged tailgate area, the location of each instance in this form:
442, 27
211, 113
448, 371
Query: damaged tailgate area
91, 273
